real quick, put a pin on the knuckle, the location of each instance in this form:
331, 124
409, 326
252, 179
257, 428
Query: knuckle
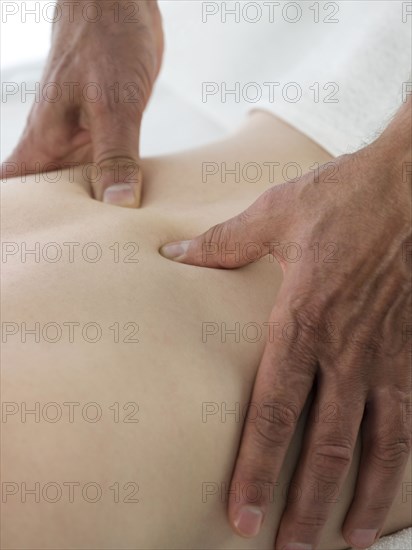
388, 455
304, 320
312, 520
274, 424
117, 167
307, 311
330, 459
269, 200
379, 506
366, 344
126, 99
216, 241
219, 233
116, 158
307, 314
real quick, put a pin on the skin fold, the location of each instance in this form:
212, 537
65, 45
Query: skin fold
165, 435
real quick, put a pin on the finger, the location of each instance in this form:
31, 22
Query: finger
386, 444
244, 238
330, 438
283, 383
26, 159
46, 141
115, 133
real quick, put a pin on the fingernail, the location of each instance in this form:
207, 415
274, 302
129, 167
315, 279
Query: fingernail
298, 546
174, 251
363, 537
249, 520
121, 195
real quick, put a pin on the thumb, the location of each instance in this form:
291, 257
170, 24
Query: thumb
117, 177
241, 240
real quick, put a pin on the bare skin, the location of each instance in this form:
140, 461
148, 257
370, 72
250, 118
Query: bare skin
188, 373
352, 312
76, 130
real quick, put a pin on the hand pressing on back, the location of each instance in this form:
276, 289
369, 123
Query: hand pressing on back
96, 84
351, 310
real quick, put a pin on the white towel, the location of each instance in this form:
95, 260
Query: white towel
402, 540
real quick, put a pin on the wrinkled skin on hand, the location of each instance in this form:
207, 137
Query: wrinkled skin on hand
352, 312
103, 73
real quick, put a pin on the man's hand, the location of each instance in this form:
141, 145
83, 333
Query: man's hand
348, 308
96, 85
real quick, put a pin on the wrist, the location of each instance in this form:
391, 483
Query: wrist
395, 143
117, 11
391, 152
